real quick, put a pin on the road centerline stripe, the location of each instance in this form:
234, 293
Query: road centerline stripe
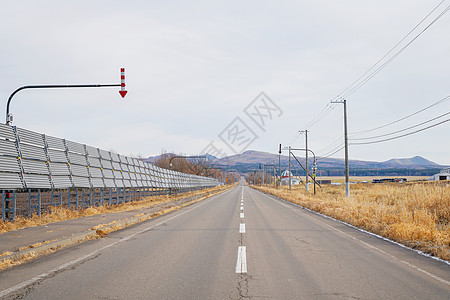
241, 263
242, 228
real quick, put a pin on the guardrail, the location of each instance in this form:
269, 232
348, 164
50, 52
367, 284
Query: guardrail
38, 171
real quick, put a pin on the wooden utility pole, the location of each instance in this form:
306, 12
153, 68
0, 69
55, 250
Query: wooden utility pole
289, 168
347, 172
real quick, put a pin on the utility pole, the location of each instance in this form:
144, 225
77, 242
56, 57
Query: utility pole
274, 177
306, 140
307, 173
347, 184
260, 179
279, 165
314, 173
268, 171
289, 168
264, 175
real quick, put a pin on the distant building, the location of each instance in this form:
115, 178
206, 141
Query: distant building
443, 175
285, 178
323, 181
383, 180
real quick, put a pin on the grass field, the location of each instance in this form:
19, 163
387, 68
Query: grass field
416, 214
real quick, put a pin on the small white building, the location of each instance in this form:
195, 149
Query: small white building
443, 175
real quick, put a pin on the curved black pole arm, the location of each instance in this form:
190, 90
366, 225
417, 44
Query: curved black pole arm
50, 87
305, 150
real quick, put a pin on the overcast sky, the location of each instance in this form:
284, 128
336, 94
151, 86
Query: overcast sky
193, 67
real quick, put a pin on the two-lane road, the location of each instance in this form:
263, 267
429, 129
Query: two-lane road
240, 244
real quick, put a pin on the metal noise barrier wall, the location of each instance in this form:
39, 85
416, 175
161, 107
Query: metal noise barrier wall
36, 165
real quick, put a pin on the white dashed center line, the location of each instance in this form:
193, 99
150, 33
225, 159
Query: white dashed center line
241, 263
242, 228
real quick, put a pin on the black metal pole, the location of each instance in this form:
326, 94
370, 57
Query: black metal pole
279, 165
314, 175
8, 119
289, 167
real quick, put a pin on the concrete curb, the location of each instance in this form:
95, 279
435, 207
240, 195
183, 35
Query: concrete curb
30, 253
49, 247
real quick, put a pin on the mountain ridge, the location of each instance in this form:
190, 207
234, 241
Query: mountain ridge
254, 158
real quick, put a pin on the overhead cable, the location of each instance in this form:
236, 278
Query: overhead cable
403, 135
363, 79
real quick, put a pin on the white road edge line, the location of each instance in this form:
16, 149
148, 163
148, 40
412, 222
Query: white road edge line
242, 228
241, 263
69, 264
288, 203
390, 255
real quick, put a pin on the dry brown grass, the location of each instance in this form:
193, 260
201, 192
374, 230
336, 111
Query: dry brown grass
415, 214
8, 263
63, 213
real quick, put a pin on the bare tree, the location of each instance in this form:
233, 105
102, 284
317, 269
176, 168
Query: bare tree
195, 166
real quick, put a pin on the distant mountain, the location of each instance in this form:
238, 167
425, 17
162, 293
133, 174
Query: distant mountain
248, 157
250, 160
415, 161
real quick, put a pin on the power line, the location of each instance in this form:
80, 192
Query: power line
324, 157
398, 131
357, 84
325, 111
340, 146
403, 135
374, 70
392, 49
404, 118
363, 79
297, 134
334, 145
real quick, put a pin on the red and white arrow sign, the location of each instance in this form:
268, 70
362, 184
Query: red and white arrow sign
122, 91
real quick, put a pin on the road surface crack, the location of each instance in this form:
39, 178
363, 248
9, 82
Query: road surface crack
242, 286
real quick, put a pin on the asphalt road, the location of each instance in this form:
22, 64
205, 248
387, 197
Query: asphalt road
240, 244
